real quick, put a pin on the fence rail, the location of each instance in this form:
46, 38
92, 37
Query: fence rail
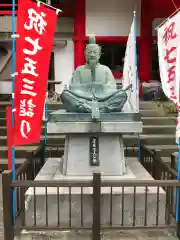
157, 168
96, 204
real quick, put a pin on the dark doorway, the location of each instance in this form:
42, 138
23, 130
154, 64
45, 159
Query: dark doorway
155, 63
51, 76
113, 56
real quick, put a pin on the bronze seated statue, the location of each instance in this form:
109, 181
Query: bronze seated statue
93, 87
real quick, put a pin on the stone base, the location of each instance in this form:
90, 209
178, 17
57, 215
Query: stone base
76, 160
120, 207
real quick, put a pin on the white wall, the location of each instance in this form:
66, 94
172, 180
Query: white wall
5, 72
5, 87
111, 17
64, 64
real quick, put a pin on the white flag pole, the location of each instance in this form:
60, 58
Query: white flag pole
137, 82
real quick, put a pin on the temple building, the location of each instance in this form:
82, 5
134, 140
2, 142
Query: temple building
110, 21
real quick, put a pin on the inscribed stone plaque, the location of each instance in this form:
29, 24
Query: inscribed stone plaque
94, 151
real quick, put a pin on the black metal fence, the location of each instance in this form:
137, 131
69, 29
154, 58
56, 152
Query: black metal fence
157, 168
92, 204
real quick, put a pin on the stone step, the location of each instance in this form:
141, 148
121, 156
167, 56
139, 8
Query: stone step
5, 97
2, 113
152, 113
4, 163
50, 140
2, 121
167, 120
3, 131
3, 141
53, 105
167, 159
19, 161
147, 105
158, 139
58, 151
164, 151
5, 104
52, 151
159, 129
21, 151
144, 112
149, 111
150, 136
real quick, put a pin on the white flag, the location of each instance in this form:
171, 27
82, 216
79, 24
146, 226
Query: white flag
130, 68
169, 61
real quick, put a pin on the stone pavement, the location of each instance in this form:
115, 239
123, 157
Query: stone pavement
110, 235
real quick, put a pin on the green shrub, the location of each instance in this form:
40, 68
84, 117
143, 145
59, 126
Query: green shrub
169, 107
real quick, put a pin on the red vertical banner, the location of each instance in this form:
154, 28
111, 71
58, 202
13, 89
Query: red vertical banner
9, 135
35, 26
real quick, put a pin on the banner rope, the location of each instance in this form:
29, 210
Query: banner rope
174, 4
47, 5
177, 10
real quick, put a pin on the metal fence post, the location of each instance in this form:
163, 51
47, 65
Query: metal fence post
96, 228
7, 205
178, 218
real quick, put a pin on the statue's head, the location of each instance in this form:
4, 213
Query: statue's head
93, 51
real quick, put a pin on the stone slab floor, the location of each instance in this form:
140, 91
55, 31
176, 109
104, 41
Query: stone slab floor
110, 235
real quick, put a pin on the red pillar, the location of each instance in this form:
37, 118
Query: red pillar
79, 32
145, 48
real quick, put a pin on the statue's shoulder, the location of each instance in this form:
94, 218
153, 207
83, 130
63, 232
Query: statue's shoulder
80, 68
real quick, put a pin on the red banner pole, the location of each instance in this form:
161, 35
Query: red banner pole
9, 135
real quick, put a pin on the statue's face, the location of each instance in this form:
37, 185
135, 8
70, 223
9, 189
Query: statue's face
92, 54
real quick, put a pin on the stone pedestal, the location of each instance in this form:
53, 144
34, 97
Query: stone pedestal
79, 130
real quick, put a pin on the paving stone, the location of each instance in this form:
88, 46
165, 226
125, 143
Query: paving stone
108, 235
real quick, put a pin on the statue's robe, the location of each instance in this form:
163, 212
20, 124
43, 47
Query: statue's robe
82, 90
